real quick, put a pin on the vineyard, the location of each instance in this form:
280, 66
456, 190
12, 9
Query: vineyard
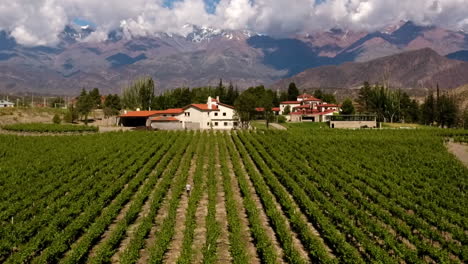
296, 196
49, 128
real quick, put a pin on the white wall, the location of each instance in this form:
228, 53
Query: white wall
283, 106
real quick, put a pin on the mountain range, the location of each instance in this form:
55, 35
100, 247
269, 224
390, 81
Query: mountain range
206, 54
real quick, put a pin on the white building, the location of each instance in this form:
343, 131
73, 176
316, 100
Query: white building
309, 108
212, 115
4, 103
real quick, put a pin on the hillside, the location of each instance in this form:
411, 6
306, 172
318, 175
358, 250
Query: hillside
201, 57
414, 71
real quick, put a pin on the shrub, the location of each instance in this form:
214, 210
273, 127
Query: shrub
56, 119
282, 119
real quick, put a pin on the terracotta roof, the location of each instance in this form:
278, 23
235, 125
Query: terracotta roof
203, 107
171, 111
140, 114
290, 102
164, 119
226, 105
261, 109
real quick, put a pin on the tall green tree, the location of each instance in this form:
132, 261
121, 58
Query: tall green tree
139, 95
364, 97
84, 105
293, 92
245, 106
347, 107
428, 110
95, 97
112, 105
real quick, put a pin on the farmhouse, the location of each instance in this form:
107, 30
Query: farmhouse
309, 109
212, 115
4, 103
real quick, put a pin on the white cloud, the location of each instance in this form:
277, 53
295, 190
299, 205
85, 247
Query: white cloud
38, 22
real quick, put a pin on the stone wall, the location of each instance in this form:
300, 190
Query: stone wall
353, 124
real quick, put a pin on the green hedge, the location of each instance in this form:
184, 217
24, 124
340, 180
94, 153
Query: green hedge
47, 128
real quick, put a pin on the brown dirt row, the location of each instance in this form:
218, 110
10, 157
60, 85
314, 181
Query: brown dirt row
263, 217
223, 245
234, 185
199, 234
113, 226
158, 220
296, 241
175, 245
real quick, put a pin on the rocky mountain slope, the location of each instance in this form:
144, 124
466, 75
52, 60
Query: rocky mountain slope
415, 71
200, 57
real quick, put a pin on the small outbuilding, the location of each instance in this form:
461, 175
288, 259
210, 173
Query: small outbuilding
4, 104
166, 123
137, 118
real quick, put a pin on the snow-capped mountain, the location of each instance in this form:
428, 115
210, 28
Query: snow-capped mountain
201, 56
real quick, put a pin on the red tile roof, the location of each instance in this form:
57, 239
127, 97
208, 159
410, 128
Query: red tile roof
203, 107
165, 119
226, 105
290, 102
171, 111
140, 114
261, 109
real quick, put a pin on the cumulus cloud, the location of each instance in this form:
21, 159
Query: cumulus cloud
39, 22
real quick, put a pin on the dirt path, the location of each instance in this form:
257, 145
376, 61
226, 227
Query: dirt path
111, 228
263, 217
234, 185
278, 126
159, 219
223, 253
460, 151
199, 234
175, 246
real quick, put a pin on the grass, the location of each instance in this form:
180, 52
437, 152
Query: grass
49, 128
306, 125
402, 125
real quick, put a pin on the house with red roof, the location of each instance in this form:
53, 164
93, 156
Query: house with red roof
307, 108
212, 115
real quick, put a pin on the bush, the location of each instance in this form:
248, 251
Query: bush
56, 119
282, 119
49, 128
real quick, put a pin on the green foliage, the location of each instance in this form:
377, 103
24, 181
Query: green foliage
281, 119
293, 92
85, 104
112, 105
139, 95
56, 119
252, 98
287, 110
71, 115
347, 108
325, 97
441, 110
49, 128
95, 97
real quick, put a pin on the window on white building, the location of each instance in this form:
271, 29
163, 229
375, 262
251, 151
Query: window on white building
187, 113
216, 114
216, 123
235, 123
224, 114
225, 123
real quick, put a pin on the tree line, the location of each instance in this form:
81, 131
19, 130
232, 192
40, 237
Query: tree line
389, 105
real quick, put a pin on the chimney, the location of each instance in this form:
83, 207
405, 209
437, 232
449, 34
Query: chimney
217, 99
209, 102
